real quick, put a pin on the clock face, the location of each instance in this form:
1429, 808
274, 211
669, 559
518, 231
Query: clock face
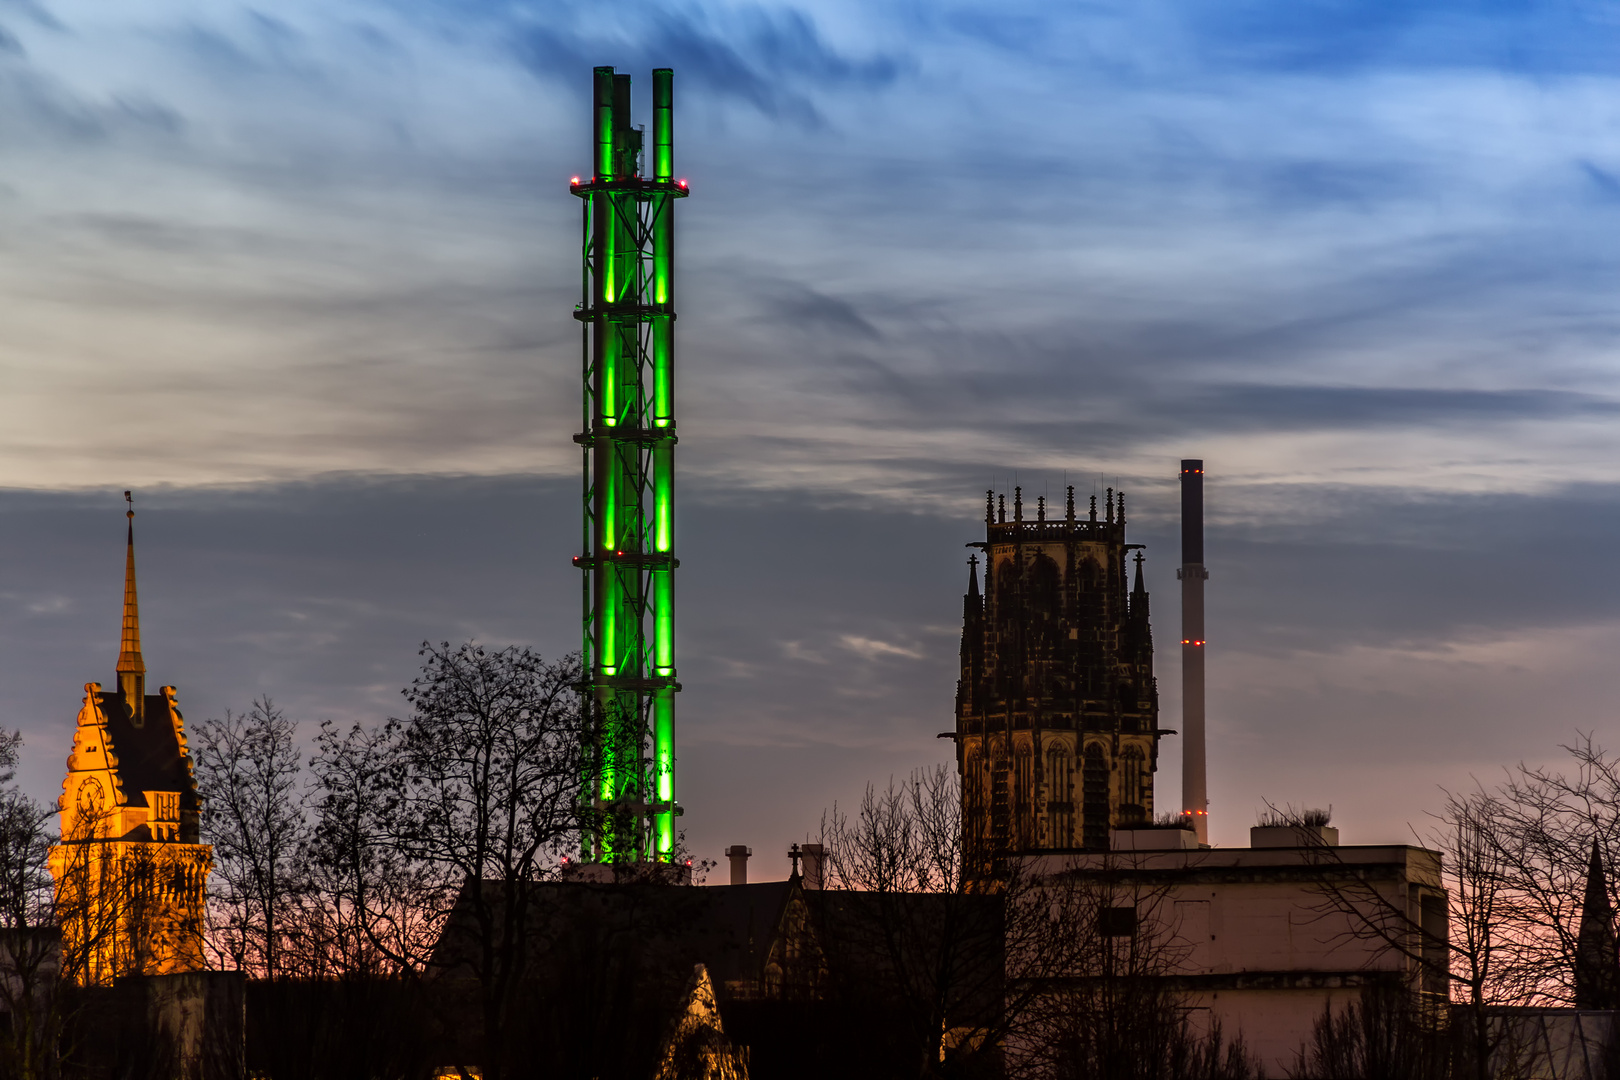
91, 797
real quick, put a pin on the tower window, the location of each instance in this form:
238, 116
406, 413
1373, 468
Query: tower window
1133, 781
1094, 790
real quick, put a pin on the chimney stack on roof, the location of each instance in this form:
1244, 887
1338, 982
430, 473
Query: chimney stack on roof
738, 854
815, 866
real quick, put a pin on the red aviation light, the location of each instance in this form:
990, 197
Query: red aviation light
680, 183
574, 180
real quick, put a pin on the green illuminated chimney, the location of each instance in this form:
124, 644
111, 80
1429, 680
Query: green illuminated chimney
628, 316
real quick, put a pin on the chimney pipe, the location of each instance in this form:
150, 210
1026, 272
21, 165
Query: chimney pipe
738, 854
815, 864
1194, 782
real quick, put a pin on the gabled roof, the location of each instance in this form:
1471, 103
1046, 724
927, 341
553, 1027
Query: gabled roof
148, 757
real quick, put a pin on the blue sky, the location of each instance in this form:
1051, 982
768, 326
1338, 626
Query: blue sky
276, 265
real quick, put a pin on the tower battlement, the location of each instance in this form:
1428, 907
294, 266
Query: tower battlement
1056, 707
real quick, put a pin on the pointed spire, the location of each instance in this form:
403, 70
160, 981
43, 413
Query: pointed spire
1040, 508
1140, 589
131, 668
1120, 512
973, 577
1071, 505
990, 507
129, 653
1597, 966
1018, 503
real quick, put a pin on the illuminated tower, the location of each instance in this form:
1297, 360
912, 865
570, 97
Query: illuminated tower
628, 314
1057, 711
130, 872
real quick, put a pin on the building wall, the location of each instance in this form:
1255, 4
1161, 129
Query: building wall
130, 878
1263, 939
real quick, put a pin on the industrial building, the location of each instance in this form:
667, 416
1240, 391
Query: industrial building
1261, 940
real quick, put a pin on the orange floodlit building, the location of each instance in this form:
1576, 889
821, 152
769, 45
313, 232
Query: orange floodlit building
131, 873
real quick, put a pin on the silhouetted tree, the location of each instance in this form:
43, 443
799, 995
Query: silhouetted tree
1052, 975
248, 766
31, 991
480, 789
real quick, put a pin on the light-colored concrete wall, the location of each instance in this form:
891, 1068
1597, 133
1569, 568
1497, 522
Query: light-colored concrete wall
1261, 939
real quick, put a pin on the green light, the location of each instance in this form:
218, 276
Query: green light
664, 622
629, 476
664, 769
664, 499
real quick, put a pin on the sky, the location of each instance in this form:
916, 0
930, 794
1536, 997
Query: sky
302, 277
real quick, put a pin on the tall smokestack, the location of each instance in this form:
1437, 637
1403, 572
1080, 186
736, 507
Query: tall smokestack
1194, 785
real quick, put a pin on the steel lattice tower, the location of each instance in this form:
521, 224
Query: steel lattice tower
628, 317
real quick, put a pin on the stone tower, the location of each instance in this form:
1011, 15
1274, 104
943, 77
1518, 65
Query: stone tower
130, 872
1057, 733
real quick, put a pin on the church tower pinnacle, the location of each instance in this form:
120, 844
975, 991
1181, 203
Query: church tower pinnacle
1597, 967
131, 668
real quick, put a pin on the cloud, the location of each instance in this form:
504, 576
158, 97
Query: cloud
872, 649
1346, 254
774, 59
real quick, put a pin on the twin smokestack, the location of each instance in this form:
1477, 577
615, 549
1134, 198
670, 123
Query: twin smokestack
1194, 789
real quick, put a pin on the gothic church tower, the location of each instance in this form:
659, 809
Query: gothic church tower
1057, 734
130, 871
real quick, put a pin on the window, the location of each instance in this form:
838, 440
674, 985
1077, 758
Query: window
1133, 782
1094, 790
1060, 798
1117, 921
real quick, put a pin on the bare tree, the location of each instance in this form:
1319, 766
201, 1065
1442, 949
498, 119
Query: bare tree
1054, 975
249, 765
368, 911
481, 802
1380, 1036
31, 992
1548, 820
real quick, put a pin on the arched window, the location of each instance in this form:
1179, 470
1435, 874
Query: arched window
1134, 797
1133, 779
1024, 797
998, 799
1060, 798
1094, 792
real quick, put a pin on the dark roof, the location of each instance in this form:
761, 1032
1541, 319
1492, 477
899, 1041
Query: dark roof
148, 756
728, 928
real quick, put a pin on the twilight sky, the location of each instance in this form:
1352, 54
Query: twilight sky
302, 276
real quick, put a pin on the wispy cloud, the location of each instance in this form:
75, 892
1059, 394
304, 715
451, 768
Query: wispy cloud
873, 649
